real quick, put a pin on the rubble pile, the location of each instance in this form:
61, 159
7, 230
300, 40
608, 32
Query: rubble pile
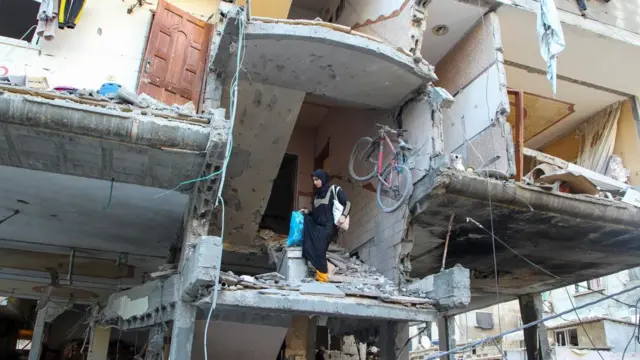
347, 275
122, 100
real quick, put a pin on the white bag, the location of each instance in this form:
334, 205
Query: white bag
338, 209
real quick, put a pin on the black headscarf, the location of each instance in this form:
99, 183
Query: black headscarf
321, 192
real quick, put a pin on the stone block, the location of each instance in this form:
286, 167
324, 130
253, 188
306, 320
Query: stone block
292, 265
202, 267
451, 287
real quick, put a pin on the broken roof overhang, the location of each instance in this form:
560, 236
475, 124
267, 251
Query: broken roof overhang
155, 301
293, 302
140, 145
327, 61
575, 237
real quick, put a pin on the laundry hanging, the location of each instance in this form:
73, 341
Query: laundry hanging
551, 38
70, 12
63, 13
47, 19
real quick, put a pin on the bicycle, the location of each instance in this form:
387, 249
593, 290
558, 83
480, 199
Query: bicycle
389, 186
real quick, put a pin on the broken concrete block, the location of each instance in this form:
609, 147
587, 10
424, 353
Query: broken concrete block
451, 288
272, 276
440, 97
323, 289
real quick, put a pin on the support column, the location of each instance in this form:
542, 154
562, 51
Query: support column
301, 338
99, 343
447, 335
535, 337
182, 332
392, 339
38, 335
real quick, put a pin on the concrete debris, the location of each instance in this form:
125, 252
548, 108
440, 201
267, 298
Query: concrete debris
325, 289
123, 100
350, 277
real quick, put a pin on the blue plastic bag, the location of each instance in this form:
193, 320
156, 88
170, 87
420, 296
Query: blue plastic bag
296, 229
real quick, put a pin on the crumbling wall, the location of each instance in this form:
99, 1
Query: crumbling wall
266, 116
399, 23
476, 126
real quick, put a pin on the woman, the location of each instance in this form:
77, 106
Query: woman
319, 225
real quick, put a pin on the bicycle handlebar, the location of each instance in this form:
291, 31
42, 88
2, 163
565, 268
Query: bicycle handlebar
393, 131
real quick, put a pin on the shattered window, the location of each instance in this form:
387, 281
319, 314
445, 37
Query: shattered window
18, 18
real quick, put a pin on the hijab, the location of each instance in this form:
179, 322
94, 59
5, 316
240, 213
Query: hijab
321, 192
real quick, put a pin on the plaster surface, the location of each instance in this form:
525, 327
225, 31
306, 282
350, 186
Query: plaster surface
574, 237
348, 68
67, 211
232, 340
264, 123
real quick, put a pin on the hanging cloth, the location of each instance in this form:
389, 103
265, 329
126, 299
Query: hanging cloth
70, 13
598, 137
551, 38
47, 15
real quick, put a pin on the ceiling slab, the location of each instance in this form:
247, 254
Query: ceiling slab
459, 17
72, 212
601, 60
314, 58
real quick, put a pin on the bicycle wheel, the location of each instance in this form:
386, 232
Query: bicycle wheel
363, 162
394, 190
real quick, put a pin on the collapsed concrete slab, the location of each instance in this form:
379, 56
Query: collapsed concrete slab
68, 135
574, 237
451, 287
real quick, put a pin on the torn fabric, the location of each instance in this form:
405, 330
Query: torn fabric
550, 37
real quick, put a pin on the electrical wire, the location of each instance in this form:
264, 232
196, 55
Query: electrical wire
528, 325
635, 328
216, 288
108, 205
233, 99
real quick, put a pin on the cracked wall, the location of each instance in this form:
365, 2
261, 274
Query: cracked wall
473, 71
266, 116
399, 23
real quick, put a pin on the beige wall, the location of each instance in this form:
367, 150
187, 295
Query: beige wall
470, 57
278, 9
628, 142
106, 46
595, 330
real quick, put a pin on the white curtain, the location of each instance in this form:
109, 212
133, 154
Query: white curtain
598, 136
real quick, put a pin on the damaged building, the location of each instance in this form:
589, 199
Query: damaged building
161, 147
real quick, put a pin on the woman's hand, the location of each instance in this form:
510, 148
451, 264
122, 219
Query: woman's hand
342, 219
304, 210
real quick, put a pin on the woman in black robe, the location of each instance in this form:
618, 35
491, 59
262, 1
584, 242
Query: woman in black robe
319, 225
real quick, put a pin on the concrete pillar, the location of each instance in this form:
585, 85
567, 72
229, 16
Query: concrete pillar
535, 337
447, 335
301, 338
182, 333
38, 335
99, 343
392, 339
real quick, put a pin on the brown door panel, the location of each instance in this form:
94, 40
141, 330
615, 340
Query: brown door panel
175, 60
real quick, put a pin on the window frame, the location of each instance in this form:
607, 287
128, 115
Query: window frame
33, 42
566, 337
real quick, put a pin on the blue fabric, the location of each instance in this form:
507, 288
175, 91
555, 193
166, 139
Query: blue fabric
296, 229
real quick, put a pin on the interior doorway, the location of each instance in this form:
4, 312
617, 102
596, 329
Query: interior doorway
283, 197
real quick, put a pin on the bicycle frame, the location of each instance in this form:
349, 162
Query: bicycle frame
380, 169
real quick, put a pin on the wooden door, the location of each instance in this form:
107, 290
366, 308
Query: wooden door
173, 68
